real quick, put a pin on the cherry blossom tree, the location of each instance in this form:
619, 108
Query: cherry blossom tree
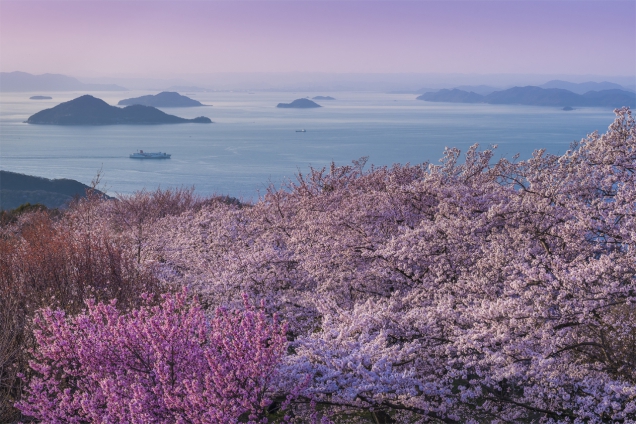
164, 364
477, 289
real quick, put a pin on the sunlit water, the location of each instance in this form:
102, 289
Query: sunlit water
252, 143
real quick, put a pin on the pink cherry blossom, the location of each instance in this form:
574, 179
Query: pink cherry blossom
164, 364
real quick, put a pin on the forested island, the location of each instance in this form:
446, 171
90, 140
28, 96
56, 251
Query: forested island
537, 96
299, 104
163, 99
88, 110
477, 290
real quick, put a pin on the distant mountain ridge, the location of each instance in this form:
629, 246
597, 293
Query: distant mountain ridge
88, 110
23, 81
583, 87
163, 99
537, 96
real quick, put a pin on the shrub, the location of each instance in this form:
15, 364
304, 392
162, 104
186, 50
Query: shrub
48, 260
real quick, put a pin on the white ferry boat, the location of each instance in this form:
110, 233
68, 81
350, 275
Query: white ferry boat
148, 155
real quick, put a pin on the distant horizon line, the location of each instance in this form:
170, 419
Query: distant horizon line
323, 81
80, 74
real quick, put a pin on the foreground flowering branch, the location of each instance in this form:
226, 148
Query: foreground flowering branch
162, 364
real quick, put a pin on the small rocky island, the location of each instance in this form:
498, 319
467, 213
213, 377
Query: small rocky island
163, 99
323, 98
40, 98
88, 110
568, 108
299, 104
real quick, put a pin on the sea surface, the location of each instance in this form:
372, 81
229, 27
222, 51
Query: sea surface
252, 144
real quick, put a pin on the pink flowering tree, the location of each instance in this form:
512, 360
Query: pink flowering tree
475, 290
161, 364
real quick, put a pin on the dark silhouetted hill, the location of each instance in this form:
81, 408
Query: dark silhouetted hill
537, 96
163, 99
18, 189
88, 110
299, 104
22, 81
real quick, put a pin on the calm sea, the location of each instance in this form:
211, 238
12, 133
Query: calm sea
252, 143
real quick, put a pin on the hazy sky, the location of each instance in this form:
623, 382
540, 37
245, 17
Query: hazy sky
162, 38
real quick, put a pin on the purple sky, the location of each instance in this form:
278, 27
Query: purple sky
161, 38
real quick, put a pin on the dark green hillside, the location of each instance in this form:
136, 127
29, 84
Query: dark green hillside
17, 189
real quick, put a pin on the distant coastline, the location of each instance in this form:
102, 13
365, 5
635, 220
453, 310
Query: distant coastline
536, 96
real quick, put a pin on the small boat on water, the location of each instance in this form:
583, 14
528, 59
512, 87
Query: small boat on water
303, 130
149, 155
